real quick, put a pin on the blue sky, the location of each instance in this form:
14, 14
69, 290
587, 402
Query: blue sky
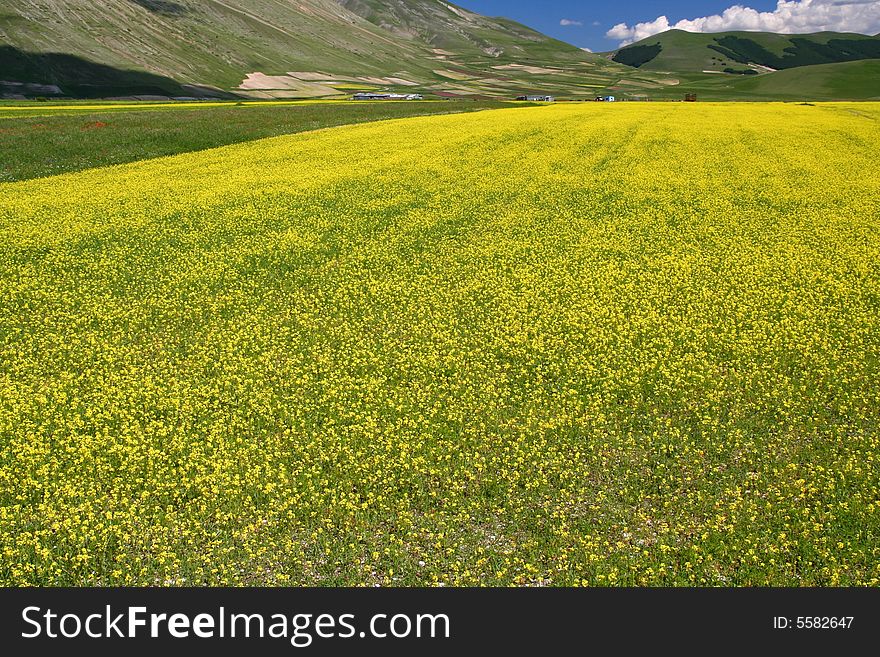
589, 21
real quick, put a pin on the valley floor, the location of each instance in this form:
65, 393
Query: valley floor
592, 344
44, 139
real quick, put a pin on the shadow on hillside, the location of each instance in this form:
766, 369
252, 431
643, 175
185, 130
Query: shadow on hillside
162, 7
81, 78
802, 52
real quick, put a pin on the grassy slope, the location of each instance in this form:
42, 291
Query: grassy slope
466, 33
844, 81
444, 51
688, 52
215, 42
218, 42
686, 55
82, 78
57, 142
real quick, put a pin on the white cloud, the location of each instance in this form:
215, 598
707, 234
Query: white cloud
789, 17
639, 31
586, 50
565, 22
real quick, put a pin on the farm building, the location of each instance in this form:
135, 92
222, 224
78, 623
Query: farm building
385, 96
606, 99
538, 99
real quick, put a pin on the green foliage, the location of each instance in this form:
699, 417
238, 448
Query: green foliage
635, 56
802, 51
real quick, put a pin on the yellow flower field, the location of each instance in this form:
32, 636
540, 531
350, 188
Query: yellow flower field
631, 344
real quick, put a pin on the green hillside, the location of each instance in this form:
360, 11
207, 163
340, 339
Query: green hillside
276, 48
448, 27
689, 52
846, 80
332, 48
822, 82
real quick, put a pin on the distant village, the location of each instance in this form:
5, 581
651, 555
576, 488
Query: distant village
372, 95
552, 99
385, 96
536, 98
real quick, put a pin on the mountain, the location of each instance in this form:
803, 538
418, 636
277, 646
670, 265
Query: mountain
331, 48
690, 52
759, 65
281, 48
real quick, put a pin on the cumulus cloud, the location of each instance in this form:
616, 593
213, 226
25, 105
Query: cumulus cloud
565, 22
789, 17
